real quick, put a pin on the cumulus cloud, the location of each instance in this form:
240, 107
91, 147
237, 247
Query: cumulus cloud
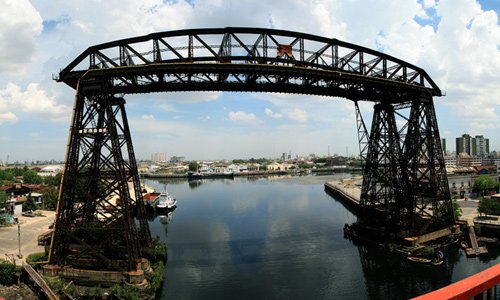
272, 114
241, 116
455, 41
20, 23
298, 115
34, 101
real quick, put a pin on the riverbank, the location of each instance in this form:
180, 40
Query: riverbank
253, 173
349, 192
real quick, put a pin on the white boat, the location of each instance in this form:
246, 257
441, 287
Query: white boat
166, 200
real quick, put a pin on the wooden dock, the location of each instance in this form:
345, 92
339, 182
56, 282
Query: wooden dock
474, 250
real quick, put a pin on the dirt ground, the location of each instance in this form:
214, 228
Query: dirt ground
15, 292
30, 229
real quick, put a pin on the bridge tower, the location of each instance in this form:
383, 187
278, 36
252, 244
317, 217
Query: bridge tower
405, 189
101, 221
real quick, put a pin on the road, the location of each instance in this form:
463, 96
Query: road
30, 228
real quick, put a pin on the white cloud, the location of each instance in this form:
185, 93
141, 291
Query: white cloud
298, 115
272, 114
241, 116
429, 3
33, 101
7, 117
148, 117
20, 23
457, 44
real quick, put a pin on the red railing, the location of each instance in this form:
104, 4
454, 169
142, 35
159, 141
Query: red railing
478, 286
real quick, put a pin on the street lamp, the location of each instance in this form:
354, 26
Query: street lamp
19, 238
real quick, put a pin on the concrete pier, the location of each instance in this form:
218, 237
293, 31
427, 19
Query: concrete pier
347, 190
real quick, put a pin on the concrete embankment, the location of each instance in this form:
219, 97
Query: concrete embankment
346, 190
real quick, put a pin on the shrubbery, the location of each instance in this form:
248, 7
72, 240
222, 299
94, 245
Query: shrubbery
8, 272
36, 257
489, 207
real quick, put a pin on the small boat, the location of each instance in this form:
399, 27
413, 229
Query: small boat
418, 259
166, 201
151, 199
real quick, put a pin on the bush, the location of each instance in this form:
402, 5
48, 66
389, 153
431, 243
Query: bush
457, 210
489, 207
36, 257
156, 277
160, 250
8, 273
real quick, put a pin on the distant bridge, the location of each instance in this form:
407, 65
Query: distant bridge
404, 188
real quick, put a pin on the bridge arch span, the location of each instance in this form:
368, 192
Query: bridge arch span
250, 59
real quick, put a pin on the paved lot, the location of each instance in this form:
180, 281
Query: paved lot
469, 208
30, 227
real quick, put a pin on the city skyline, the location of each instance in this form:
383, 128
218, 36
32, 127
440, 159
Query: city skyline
35, 110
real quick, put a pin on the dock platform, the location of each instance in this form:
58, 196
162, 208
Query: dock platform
346, 190
474, 250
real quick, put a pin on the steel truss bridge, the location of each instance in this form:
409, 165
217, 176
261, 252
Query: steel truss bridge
101, 221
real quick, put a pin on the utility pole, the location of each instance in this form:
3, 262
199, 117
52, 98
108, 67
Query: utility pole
19, 238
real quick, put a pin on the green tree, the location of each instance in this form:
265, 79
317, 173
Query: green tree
3, 199
49, 198
457, 210
6, 175
304, 165
489, 207
29, 204
17, 171
484, 182
193, 166
320, 160
53, 180
31, 176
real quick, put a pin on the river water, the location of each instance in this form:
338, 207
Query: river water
282, 238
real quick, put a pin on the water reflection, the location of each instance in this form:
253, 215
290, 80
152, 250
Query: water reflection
391, 276
252, 238
168, 218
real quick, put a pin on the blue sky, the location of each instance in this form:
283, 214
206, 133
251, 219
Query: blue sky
456, 41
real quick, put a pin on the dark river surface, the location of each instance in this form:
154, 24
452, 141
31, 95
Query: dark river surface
282, 238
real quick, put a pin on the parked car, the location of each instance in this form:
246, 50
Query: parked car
28, 213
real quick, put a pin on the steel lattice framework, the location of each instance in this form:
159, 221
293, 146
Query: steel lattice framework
402, 175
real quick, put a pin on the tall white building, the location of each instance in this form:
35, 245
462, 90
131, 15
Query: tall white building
159, 157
